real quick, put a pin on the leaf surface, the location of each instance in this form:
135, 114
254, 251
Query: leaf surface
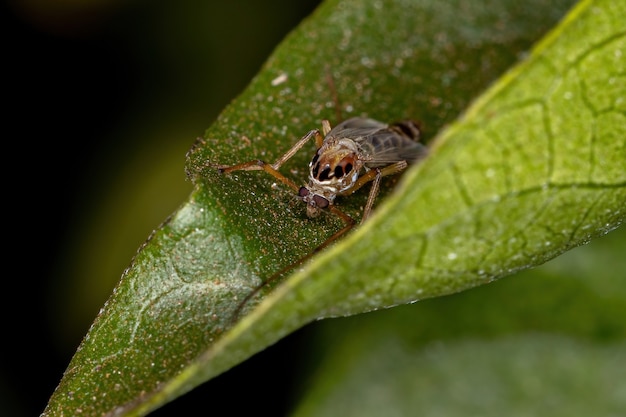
532, 168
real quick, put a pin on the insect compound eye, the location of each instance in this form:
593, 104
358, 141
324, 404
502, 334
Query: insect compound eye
303, 192
320, 201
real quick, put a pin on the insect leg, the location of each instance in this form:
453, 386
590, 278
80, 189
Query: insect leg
375, 175
333, 90
257, 164
326, 129
349, 224
372, 196
299, 144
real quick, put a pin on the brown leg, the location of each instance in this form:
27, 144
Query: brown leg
375, 175
325, 129
272, 169
372, 196
349, 224
260, 165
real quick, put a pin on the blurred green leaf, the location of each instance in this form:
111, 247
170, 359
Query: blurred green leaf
532, 169
525, 375
549, 341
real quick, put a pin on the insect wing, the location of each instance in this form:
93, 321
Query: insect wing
382, 144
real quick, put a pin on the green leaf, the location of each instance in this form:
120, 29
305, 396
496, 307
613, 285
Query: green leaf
533, 168
548, 342
516, 375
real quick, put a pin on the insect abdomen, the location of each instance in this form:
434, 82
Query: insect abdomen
398, 142
407, 128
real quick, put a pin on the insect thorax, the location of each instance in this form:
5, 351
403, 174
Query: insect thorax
335, 167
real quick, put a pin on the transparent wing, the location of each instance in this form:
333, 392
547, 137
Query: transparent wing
382, 144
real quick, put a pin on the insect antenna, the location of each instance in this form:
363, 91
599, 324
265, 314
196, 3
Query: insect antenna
333, 91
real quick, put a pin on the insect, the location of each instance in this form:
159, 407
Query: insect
352, 154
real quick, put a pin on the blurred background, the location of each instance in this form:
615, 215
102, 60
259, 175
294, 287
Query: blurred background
104, 99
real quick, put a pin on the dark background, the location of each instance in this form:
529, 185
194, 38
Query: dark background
101, 102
